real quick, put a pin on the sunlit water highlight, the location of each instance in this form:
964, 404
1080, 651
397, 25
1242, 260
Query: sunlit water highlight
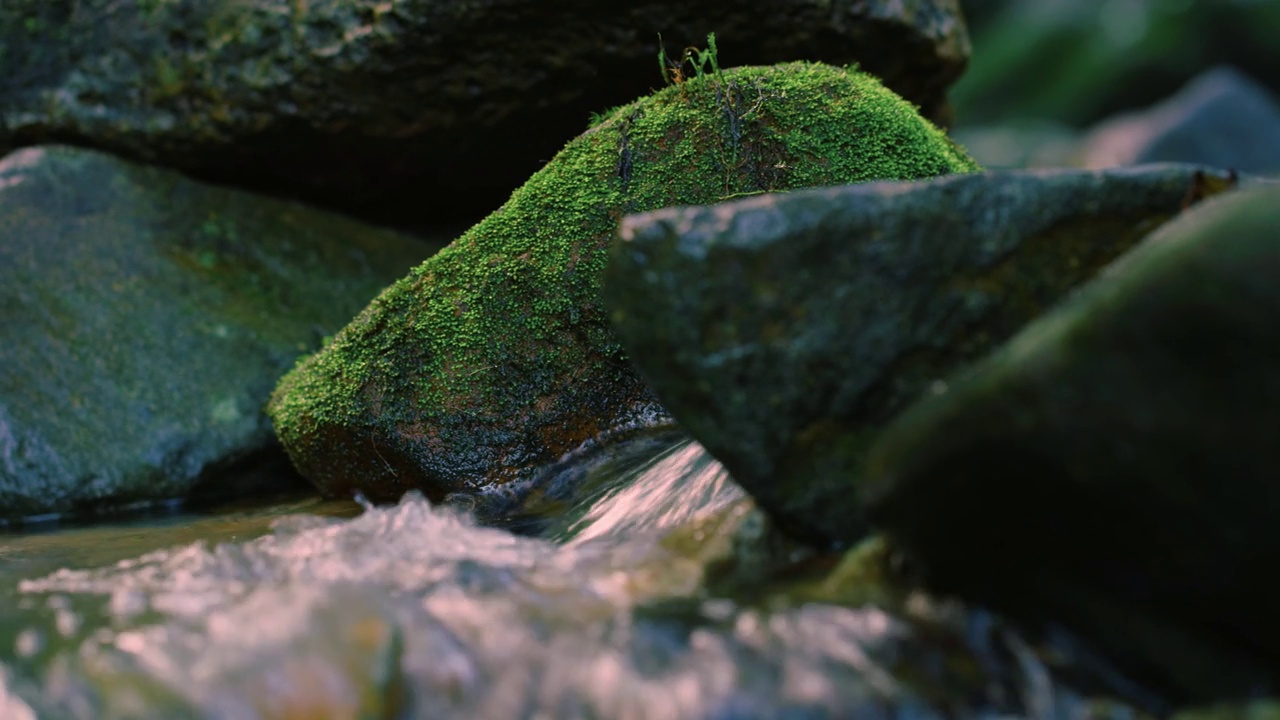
414, 611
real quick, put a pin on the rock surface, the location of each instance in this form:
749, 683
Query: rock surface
495, 357
390, 109
146, 318
1221, 118
783, 331
1113, 468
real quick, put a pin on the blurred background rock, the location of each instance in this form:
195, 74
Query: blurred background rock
1045, 72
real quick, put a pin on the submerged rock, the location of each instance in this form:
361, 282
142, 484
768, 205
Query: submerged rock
146, 318
395, 109
495, 357
783, 331
1113, 468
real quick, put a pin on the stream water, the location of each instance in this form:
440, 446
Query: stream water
595, 603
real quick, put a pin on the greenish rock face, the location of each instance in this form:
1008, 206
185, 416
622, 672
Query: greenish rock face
1112, 469
495, 356
785, 331
381, 108
146, 318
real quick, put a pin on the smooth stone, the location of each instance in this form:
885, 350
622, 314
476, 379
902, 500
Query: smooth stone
784, 331
1112, 469
146, 318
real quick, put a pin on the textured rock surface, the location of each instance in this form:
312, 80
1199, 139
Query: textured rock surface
784, 330
495, 357
146, 318
1113, 468
399, 109
1222, 118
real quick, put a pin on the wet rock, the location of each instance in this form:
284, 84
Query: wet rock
783, 331
398, 110
146, 319
1221, 118
1112, 469
495, 357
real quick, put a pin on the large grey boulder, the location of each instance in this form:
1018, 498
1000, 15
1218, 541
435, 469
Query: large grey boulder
784, 330
146, 318
406, 109
1113, 469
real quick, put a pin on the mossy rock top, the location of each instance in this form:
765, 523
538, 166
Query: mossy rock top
495, 356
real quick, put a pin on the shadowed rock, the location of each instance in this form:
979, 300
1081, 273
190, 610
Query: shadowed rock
146, 318
495, 357
783, 331
1222, 118
1113, 468
403, 111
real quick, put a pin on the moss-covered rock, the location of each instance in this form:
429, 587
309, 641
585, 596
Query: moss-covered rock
785, 331
495, 356
144, 319
403, 111
1113, 468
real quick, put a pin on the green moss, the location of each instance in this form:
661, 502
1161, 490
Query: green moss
464, 357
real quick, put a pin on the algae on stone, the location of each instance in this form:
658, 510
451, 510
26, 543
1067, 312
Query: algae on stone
496, 356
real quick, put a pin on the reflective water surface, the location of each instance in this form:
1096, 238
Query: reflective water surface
598, 606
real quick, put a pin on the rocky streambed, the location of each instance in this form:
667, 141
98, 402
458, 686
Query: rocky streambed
761, 398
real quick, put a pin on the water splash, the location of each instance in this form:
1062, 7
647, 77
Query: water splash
673, 488
414, 611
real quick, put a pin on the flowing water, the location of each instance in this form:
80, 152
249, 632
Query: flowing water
597, 602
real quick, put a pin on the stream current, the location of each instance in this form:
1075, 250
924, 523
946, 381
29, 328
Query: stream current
595, 604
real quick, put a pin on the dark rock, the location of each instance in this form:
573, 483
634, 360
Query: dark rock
783, 331
398, 110
146, 318
1221, 118
1112, 469
495, 357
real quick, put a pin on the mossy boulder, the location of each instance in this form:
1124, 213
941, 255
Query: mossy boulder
1112, 470
784, 331
144, 319
496, 356
402, 112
